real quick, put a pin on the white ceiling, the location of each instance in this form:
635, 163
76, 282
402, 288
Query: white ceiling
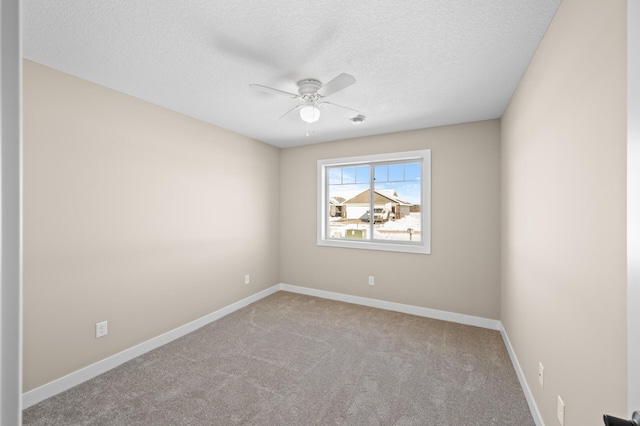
417, 63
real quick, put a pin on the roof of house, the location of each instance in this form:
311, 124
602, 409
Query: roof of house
389, 194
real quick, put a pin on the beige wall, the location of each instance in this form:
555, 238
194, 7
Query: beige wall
563, 214
136, 215
462, 273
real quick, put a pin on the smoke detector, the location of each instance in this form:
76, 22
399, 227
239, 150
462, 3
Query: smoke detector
358, 119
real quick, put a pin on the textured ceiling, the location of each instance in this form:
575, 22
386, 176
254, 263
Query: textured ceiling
417, 63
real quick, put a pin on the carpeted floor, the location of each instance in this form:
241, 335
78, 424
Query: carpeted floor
291, 359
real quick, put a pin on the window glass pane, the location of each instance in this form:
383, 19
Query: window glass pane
363, 174
396, 172
397, 205
412, 171
348, 202
348, 175
380, 173
335, 175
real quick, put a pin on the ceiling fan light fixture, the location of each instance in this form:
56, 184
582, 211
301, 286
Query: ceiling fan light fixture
309, 113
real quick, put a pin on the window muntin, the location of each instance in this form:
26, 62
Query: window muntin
394, 186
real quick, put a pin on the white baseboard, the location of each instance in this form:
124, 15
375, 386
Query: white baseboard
73, 379
523, 381
397, 307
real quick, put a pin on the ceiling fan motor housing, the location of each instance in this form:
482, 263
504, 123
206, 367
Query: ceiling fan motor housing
308, 87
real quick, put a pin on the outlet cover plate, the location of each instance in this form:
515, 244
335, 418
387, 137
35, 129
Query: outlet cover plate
541, 374
560, 410
101, 329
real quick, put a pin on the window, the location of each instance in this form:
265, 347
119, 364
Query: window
376, 202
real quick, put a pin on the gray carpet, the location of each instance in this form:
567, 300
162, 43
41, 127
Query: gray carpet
291, 359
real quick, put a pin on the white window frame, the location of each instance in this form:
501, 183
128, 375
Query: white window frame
421, 247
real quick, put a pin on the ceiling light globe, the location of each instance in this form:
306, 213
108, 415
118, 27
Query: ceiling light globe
310, 113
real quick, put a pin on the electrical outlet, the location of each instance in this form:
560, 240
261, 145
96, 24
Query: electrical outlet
101, 329
541, 374
560, 411
371, 280
247, 279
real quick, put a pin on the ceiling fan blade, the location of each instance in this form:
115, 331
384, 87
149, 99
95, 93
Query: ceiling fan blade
340, 82
272, 90
294, 108
350, 110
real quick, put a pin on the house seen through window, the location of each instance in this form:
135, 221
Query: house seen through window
376, 202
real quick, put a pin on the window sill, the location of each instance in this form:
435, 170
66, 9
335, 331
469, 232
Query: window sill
369, 245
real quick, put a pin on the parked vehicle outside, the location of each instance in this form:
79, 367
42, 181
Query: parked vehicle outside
379, 215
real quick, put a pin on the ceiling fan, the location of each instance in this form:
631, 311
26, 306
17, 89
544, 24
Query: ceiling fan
312, 95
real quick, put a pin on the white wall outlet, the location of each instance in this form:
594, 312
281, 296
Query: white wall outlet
247, 279
101, 329
560, 410
371, 280
541, 374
